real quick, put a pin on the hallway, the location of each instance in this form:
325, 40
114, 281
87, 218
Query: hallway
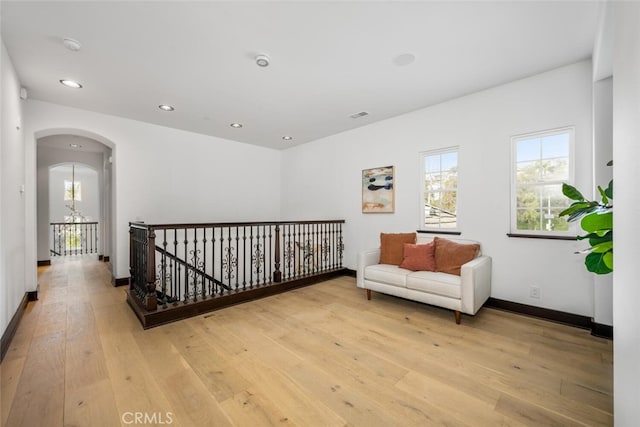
76, 299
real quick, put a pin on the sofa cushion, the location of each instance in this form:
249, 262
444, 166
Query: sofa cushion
391, 246
451, 255
419, 257
387, 274
444, 284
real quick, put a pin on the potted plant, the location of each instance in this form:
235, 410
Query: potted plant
597, 221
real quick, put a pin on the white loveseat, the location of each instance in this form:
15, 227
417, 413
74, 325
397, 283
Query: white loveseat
465, 293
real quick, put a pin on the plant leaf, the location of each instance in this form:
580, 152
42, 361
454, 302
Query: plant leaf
595, 263
595, 240
609, 190
607, 258
603, 195
593, 207
571, 192
602, 247
575, 207
598, 223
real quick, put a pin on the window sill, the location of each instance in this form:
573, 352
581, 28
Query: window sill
541, 236
452, 233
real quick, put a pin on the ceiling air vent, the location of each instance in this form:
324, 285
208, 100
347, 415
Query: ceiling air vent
358, 115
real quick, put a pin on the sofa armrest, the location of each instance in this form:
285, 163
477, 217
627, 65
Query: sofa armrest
476, 283
365, 259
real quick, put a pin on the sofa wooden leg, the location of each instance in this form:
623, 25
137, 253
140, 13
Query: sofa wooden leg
457, 313
369, 294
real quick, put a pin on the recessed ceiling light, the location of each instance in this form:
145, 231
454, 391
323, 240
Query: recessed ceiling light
71, 84
75, 145
287, 138
236, 125
165, 107
358, 115
404, 59
71, 44
262, 60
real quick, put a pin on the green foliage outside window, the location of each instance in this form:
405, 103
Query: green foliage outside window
539, 203
441, 195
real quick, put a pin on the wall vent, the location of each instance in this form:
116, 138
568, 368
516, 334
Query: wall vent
358, 115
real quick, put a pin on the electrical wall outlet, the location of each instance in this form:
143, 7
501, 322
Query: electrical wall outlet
534, 292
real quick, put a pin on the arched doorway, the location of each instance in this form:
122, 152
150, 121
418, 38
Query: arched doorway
59, 156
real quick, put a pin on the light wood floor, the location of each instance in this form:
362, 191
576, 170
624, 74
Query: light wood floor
318, 356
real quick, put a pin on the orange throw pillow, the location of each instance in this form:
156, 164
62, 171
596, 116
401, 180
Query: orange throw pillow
451, 255
419, 257
391, 247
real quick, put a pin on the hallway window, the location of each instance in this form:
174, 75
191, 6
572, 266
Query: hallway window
72, 190
541, 162
439, 184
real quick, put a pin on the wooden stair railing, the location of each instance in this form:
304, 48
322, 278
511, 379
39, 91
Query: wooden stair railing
180, 270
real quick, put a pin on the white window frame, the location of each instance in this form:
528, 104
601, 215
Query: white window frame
421, 158
513, 226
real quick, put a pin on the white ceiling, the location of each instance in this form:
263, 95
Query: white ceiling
329, 60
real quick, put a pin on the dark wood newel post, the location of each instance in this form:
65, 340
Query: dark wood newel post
151, 300
132, 271
277, 274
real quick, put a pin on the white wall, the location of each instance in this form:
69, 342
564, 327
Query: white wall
322, 179
164, 175
626, 174
12, 202
602, 174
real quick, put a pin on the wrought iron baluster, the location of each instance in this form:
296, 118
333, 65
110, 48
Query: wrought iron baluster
277, 275
296, 250
340, 246
244, 257
270, 250
316, 249
194, 264
213, 261
221, 259
163, 275
256, 256
333, 246
230, 261
186, 266
204, 260
289, 248
176, 270
251, 257
237, 257
264, 257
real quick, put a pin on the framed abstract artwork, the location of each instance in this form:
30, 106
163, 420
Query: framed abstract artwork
378, 190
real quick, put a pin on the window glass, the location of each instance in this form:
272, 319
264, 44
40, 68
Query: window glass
72, 190
542, 164
439, 196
